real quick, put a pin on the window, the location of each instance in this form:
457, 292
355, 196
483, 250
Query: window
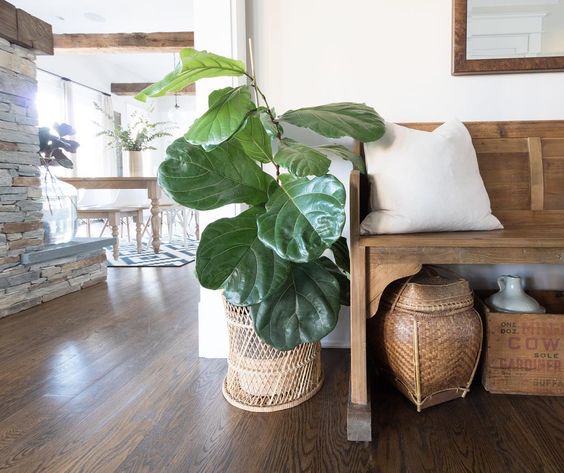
60, 100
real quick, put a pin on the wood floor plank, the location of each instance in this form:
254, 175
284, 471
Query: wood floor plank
109, 380
95, 359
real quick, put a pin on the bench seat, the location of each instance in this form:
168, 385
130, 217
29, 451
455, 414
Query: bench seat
516, 236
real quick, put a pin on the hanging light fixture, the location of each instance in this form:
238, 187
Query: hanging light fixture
176, 106
174, 115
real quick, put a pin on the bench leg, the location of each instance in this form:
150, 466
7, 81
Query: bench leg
359, 422
358, 412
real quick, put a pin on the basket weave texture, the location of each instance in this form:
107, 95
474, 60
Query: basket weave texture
261, 378
428, 337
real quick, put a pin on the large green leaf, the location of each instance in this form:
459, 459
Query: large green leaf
305, 310
194, 65
340, 251
225, 116
205, 180
339, 119
303, 217
346, 154
343, 279
301, 160
272, 129
254, 140
231, 256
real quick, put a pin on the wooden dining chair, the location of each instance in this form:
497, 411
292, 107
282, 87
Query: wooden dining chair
113, 215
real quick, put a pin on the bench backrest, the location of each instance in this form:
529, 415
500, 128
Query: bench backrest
522, 165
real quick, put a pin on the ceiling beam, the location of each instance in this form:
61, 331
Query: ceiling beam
82, 43
133, 88
19, 27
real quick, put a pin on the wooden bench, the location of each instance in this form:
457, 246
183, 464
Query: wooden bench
522, 165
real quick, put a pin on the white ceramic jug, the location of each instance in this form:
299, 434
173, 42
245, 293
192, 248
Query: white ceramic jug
512, 298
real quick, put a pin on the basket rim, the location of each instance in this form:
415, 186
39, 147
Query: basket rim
277, 407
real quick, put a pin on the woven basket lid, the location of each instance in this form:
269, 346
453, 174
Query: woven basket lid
430, 292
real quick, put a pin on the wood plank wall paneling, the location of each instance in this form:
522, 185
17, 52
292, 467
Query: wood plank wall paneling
554, 183
536, 173
553, 147
507, 180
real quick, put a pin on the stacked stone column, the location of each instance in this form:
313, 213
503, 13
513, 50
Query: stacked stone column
21, 228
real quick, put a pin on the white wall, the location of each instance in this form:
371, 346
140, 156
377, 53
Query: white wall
394, 56
219, 26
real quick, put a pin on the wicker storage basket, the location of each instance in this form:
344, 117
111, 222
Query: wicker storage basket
261, 378
428, 337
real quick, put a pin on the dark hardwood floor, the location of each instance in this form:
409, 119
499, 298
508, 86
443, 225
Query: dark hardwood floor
108, 380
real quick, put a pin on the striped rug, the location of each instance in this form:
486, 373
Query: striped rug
170, 255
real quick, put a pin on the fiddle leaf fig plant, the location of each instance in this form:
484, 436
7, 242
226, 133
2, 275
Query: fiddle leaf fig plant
272, 257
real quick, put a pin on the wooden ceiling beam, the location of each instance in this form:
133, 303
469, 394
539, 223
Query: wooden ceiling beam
19, 27
83, 43
133, 88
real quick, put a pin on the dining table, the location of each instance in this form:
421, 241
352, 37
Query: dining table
148, 183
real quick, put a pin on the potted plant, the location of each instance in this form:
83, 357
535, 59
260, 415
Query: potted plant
135, 138
59, 198
270, 259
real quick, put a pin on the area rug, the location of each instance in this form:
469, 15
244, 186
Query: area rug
170, 255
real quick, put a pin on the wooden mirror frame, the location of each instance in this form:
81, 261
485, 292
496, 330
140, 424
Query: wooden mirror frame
463, 66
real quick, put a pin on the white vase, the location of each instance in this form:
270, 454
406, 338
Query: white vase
512, 298
136, 163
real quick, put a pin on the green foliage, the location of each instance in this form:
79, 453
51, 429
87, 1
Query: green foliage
303, 218
301, 160
344, 153
339, 119
254, 140
232, 256
137, 136
205, 180
340, 251
269, 257
52, 147
228, 110
194, 65
305, 310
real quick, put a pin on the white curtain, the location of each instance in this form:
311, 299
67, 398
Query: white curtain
108, 163
68, 114
68, 101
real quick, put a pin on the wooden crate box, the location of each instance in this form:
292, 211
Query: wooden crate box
525, 352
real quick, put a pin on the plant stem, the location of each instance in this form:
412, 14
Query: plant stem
270, 115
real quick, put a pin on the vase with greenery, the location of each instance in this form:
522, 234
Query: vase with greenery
59, 198
272, 257
137, 137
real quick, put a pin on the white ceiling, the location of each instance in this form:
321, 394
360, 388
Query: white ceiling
119, 16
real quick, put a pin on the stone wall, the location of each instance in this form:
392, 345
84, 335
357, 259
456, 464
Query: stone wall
28, 285
21, 229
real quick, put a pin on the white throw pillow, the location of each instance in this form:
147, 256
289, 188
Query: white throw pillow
426, 182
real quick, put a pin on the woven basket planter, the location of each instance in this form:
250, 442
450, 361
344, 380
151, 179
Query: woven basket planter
261, 378
428, 337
